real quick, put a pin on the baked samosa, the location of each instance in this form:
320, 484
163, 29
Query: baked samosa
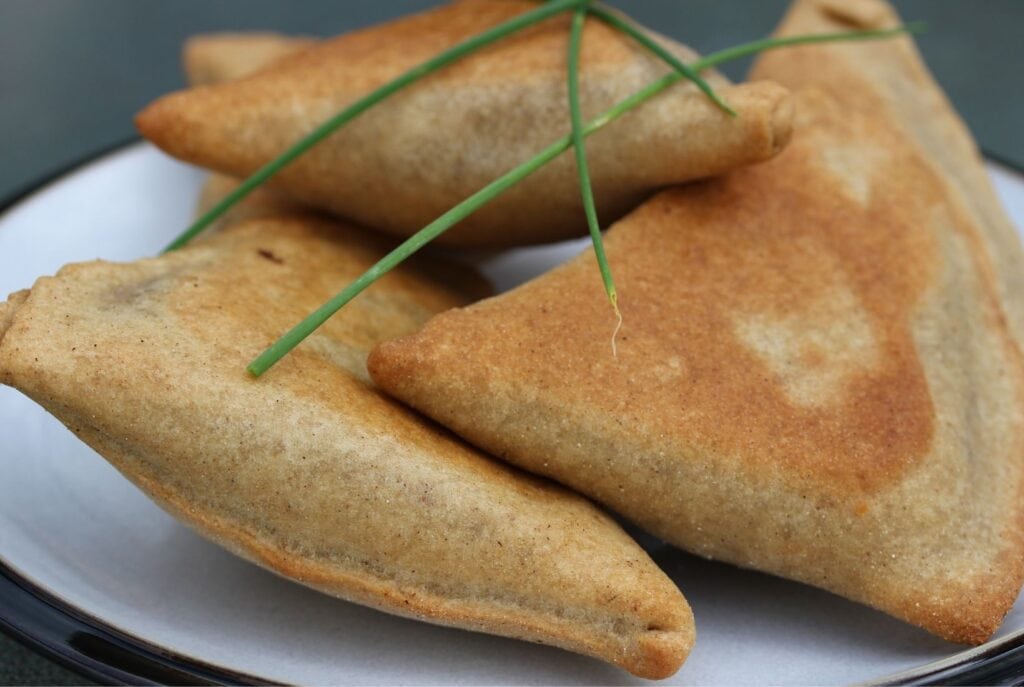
211, 58
814, 375
310, 471
409, 159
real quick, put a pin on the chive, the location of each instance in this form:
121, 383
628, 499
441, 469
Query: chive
586, 190
643, 39
746, 49
366, 102
294, 336
402, 252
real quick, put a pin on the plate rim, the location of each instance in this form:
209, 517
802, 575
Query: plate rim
103, 653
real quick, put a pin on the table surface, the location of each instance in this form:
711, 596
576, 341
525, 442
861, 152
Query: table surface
75, 71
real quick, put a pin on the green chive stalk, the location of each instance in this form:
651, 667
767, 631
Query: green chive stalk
753, 47
586, 189
294, 336
445, 58
641, 37
421, 238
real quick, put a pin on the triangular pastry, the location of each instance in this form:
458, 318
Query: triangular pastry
310, 471
814, 376
403, 163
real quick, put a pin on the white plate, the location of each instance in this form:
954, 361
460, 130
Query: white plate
72, 528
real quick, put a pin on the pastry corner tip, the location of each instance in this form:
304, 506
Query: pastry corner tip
150, 119
390, 361
661, 652
8, 308
968, 614
766, 113
665, 638
782, 116
160, 122
775, 101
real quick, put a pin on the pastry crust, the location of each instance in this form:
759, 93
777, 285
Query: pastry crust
310, 471
891, 79
814, 375
409, 159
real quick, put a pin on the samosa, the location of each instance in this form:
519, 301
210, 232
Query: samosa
407, 160
310, 471
815, 375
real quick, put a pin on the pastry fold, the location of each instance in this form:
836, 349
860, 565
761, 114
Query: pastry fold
409, 159
310, 471
815, 374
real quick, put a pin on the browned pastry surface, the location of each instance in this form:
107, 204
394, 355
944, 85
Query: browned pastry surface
814, 377
403, 163
310, 471
892, 80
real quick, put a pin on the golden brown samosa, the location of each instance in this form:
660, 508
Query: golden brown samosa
814, 376
406, 161
310, 471
211, 58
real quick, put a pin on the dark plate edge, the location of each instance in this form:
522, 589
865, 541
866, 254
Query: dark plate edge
998, 662
92, 648
99, 652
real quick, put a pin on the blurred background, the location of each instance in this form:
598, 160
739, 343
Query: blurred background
74, 72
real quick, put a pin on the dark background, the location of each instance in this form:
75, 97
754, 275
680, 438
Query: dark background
73, 72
